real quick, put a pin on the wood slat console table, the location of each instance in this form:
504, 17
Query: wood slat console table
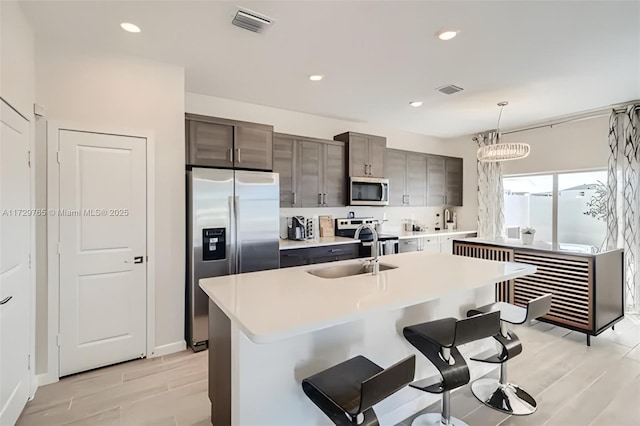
587, 289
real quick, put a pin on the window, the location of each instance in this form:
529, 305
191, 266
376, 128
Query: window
528, 202
567, 209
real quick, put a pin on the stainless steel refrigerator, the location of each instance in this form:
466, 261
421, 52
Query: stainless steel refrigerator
233, 227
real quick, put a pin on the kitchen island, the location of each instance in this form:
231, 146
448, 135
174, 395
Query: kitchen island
269, 330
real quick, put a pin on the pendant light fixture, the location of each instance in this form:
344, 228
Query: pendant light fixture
502, 151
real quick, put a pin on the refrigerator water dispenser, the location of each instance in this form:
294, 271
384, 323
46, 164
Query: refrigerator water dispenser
213, 244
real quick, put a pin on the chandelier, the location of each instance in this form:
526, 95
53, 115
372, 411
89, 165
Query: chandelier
502, 151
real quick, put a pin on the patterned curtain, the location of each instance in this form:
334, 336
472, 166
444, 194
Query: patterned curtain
490, 193
623, 204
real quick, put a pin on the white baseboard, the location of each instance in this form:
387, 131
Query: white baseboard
167, 349
45, 379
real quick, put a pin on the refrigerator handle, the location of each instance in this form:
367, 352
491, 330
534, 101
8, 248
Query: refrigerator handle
238, 254
232, 235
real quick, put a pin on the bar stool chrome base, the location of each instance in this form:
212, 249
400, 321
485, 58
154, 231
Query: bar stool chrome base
435, 419
507, 398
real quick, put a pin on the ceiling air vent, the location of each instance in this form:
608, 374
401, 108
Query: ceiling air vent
252, 21
450, 89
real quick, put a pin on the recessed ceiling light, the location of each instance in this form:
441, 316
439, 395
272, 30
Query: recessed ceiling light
130, 27
316, 77
446, 34
415, 103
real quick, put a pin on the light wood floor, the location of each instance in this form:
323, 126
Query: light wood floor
573, 384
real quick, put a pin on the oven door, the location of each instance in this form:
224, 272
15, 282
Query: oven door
365, 191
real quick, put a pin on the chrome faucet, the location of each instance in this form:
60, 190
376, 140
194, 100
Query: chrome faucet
374, 248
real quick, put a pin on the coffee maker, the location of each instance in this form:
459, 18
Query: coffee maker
296, 228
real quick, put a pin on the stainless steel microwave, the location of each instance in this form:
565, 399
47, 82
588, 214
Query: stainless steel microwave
368, 191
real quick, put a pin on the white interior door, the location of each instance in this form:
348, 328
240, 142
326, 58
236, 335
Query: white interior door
15, 237
103, 276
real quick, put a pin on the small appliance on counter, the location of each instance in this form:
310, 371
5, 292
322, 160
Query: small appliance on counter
450, 220
346, 227
301, 228
296, 228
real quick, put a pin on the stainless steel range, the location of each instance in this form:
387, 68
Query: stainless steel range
387, 243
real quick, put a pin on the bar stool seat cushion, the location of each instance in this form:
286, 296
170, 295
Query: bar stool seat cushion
509, 313
341, 383
442, 332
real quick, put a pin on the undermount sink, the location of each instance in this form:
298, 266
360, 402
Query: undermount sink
342, 271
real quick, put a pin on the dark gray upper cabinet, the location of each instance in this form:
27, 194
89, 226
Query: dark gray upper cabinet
310, 182
417, 179
334, 174
217, 142
284, 163
312, 171
365, 153
209, 144
453, 179
395, 169
436, 188
444, 181
407, 174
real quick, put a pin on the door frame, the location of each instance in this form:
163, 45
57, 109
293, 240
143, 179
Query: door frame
53, 232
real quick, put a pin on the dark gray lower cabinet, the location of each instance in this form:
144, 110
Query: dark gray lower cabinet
324, 254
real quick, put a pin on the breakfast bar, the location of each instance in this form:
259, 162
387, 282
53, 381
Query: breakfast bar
268, 330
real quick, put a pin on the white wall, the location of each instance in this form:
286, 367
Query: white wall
17, 63
118, 92
297, 123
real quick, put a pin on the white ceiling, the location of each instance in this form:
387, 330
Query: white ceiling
547, 58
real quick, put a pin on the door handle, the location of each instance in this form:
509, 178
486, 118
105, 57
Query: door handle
5, 300
324, 199
319, 199
138, 259
231, 155
238, 153
294, 198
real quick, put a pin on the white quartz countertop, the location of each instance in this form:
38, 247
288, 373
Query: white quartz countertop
538, 245
273, 305
319, 242
427, 234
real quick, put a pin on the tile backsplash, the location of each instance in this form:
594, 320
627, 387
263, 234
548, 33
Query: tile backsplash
425, 216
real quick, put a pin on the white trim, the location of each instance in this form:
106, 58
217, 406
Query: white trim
169, 348
32, 262
151, 247
45, 379
53, 190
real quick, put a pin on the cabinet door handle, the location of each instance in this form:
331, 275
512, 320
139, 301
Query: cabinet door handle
335, 251
231, 155
294, 198
320, 199
369, 165
324, 199
238, 152
5, 300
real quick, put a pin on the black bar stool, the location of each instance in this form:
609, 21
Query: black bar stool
438, 341
347, 391
498, 393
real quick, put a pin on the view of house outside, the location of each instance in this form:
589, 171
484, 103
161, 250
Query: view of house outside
581, 207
